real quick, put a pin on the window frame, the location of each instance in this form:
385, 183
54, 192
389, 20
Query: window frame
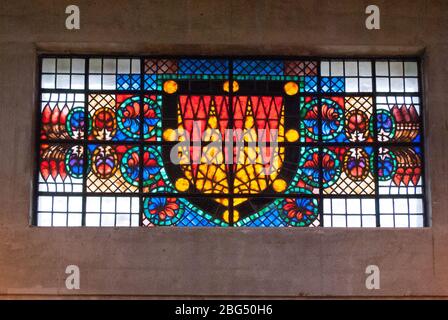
319, 94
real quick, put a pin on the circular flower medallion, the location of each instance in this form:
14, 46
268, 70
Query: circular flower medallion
75, 123
356, 164
104, 162
104, 124
387, 164
309, 165
74, 161
385, 125
357, 126
163, 211
128, 118
332, 119
299, 212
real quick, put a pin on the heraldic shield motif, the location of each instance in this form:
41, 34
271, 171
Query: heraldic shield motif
232, 128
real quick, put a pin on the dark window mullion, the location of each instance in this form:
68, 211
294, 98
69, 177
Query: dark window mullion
422, 143
85, 144
231, 126
376, 146
141, 142
319, 126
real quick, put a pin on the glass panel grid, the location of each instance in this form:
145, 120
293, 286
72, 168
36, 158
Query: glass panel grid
349, 149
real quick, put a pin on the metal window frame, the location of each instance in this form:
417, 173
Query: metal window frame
320, 144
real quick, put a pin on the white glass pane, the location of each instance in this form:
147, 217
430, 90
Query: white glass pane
63, 81
396, 84
60, 204
381, 68
77, 82
339, 221
351, 84
386, 221
95, 82
109, 82
386, 206
135, 205
135, 220
63, 66
49, 65
48, 81
107, 220
401, 206
123, 204
135, 66
369, 221
77, 188
327, 205
75, 204
353, 221
410, 69
353, 206
368, 206
93, 204
365, 69
415, 206
59, 219
351, 68
411, 84
44, 219
124, 66
109, 66
325, 68
416, 221
365, 84
396, 68
123, 220
78, 65
337, 68
92, 219
108, 204
382, 84
45, 203
95, 65
338, 206
328, 221
74, 220
401, 221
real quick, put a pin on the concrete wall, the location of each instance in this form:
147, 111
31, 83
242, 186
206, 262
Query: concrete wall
219, 262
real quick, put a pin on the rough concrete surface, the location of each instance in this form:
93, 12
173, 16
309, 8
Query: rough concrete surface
173, 262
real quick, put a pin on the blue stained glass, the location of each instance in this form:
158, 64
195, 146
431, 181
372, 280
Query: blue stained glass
258, 67
203, 66
192, 219
120, 136
169, 211
270, 218
150, 82
332, 84
310, 84
417, 138
128, 82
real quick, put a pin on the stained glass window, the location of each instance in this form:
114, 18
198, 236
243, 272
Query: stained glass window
229, 142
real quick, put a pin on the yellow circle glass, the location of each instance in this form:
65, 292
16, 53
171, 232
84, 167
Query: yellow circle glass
292, 135
170, 86
236, 215
235, 86
279, 185
182, 184
169, 135
291, 88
